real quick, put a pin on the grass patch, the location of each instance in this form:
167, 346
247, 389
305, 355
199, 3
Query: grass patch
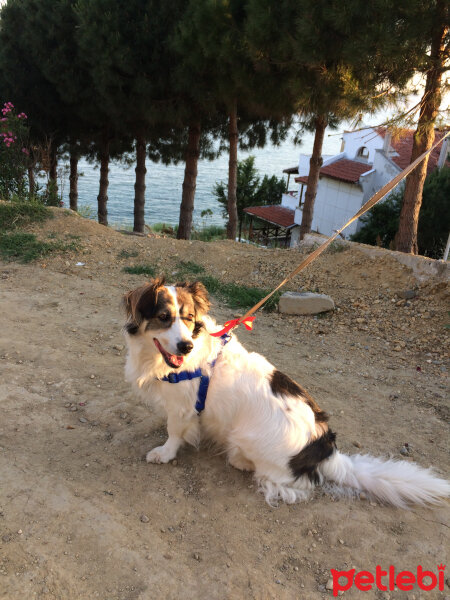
188, 269
141, 270
25, 247
238, 296
19, 214
209, 234
128, 254
336, 247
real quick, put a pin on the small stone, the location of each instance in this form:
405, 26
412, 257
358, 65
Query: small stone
407, 294
196, 556
92, 376
357, 444
362, 496
404, 451
118, 347
67, 405
341, 541
304, 303
74, 408
124, 415
329, 585
83, 420
144, 519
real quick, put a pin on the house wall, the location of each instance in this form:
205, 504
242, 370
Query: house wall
290, 201
336, 202
303, 162
369, 138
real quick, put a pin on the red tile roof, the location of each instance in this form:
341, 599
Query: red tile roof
344, 169
402, 143
275, 214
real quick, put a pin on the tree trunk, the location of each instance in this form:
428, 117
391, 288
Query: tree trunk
190, 182
73, 180
31, 180
406, 237
232, 174
139, 186
53, 173
315, 162
102, 198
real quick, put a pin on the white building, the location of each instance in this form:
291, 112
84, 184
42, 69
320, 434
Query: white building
368, 160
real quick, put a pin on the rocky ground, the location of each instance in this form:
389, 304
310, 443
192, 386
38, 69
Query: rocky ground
83, 516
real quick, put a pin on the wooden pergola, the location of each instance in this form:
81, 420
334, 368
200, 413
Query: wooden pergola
271, 225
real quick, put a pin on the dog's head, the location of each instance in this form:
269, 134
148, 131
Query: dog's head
170, 316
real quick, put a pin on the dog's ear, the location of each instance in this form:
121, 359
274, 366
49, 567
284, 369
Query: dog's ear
139, 303
200, 297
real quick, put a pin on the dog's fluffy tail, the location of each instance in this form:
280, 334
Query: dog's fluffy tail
399, 483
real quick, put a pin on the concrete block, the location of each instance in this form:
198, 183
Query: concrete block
304, 303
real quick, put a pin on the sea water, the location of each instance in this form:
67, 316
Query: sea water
164, 183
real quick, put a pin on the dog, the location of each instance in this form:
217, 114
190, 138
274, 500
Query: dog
267, 423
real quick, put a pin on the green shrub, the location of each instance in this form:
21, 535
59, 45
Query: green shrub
380, 224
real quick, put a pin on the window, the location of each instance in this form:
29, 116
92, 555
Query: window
363, 152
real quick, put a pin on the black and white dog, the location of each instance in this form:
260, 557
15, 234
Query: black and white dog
265, 421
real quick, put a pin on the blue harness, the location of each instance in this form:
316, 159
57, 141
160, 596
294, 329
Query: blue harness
175, 377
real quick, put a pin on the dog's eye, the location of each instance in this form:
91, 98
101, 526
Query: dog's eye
190, 317
164, 317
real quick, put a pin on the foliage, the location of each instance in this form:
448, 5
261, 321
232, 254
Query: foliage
434, 217
381, 223
209, 233
13, 152
251, 191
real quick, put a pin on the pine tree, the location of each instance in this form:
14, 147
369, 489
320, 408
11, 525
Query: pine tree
338, 61
435, 30
217, 71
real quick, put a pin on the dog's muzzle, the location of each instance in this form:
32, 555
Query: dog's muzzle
185, 347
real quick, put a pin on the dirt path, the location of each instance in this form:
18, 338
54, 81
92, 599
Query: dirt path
82, 515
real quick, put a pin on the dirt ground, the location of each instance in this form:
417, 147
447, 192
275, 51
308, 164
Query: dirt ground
82, 515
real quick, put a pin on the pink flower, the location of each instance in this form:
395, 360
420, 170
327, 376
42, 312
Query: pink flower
25, 151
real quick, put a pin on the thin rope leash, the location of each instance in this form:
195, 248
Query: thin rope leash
247, 318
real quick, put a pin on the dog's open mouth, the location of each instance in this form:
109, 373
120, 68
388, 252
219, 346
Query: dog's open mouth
171, 359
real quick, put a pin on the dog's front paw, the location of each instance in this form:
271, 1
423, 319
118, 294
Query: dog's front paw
160, 454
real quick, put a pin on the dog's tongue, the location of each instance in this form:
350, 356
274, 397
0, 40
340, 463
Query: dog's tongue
172, 359
175, 361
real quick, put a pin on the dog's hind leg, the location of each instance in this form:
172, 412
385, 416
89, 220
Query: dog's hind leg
237, 460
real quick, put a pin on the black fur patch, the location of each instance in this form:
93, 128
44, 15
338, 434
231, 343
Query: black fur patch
282, 385
197, 329
132, 328
306, 461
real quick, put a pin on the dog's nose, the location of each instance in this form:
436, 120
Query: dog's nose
185, 347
